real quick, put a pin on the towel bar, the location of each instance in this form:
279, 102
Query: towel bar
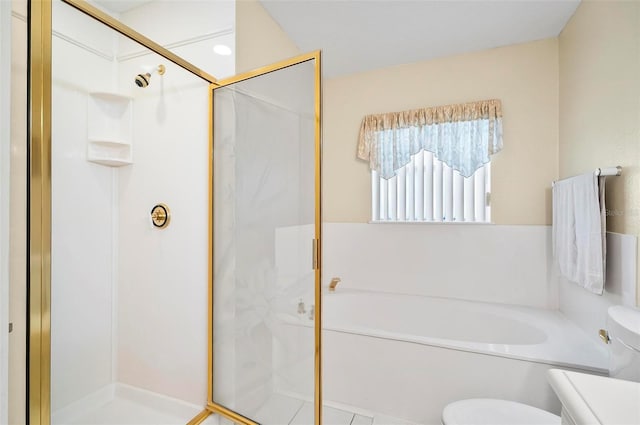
604, 171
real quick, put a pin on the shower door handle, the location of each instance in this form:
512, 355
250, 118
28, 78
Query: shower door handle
315, 252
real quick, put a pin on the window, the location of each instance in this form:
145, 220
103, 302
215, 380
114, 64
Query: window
432, 164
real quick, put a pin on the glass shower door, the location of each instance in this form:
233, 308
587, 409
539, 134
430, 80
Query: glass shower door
266, 215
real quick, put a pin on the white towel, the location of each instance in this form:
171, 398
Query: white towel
579, 229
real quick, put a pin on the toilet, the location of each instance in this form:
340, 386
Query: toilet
623, 325
491, 411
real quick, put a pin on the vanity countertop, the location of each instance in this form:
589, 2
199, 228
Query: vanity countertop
592, 399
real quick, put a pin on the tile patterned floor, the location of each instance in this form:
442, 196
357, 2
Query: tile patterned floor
284, 410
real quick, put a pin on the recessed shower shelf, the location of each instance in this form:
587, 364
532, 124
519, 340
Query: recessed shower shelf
110, 162
113, 153
109, 143
110, 117
117, 97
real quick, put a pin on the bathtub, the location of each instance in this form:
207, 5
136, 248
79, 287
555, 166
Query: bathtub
408, 356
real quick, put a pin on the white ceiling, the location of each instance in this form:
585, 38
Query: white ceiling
361, 35
120, 6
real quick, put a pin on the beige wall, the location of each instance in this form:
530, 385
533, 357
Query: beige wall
259, 39
524, 77
600, 103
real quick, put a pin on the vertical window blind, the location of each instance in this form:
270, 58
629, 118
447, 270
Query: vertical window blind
428, 190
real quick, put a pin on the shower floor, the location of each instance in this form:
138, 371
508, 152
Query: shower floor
120, 404
285, 410
125, 412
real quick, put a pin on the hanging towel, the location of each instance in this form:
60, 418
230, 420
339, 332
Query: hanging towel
579, 229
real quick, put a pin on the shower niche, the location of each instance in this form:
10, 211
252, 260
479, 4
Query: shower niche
110, 119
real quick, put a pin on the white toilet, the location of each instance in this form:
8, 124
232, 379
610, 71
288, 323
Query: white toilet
623, 325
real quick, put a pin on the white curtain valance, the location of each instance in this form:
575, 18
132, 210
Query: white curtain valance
462, 136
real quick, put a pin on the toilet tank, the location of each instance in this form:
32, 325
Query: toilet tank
623, 326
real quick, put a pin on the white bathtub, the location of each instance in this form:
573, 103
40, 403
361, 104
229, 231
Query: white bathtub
408, 356
497, 329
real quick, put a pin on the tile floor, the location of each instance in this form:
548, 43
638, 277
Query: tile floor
285, 410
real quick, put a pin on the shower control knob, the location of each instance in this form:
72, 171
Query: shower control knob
160, 216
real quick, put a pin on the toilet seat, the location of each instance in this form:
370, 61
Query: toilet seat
487, 411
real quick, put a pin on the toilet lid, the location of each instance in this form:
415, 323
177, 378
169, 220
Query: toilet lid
487, 411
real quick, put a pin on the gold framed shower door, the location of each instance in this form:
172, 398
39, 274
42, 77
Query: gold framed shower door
212, 406
39, 207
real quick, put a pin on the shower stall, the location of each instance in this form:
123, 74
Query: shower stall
174, 230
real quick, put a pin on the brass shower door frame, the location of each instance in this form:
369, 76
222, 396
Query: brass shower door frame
212, 406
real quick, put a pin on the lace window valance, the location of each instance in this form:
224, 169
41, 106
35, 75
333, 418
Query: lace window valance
462, 136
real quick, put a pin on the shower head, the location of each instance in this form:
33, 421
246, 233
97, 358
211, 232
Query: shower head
143, 80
